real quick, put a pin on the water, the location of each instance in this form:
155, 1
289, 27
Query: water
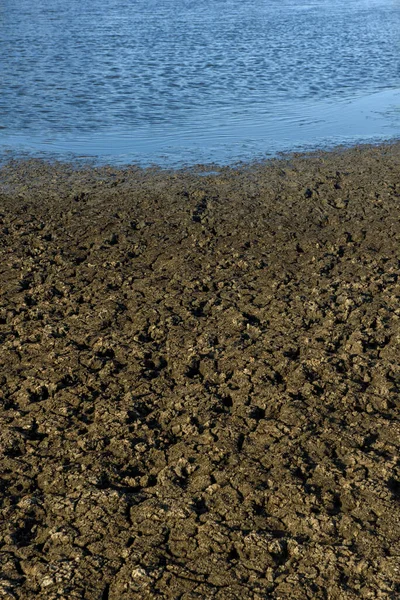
182, 81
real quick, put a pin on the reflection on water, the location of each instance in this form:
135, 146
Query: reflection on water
176, 80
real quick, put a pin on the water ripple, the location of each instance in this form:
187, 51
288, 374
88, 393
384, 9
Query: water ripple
125, 73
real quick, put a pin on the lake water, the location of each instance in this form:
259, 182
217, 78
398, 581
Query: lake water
186, 81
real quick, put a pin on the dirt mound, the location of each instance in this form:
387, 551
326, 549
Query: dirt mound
200, 380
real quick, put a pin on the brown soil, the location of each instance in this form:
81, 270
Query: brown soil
200, 380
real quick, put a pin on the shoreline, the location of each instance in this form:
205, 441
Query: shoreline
200, 380
360, 119
73, 161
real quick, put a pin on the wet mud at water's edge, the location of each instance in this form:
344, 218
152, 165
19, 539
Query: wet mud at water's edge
200, 380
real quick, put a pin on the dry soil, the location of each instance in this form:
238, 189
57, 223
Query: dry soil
199, 380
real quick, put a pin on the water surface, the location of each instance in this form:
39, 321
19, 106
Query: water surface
177, 81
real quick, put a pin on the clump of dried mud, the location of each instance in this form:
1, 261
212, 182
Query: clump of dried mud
200, 380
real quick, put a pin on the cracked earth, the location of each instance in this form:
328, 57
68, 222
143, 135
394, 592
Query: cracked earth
199, 380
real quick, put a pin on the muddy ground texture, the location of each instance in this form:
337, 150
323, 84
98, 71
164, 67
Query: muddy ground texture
200, 380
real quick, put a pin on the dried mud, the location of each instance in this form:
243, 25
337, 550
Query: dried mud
200, 380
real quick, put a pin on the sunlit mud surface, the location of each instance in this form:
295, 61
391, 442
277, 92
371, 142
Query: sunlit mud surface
200, 380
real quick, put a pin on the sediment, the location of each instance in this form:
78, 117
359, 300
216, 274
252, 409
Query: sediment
200, 380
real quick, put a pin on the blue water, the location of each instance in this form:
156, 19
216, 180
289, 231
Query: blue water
181, 81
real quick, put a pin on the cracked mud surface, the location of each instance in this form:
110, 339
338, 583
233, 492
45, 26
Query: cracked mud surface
200, 381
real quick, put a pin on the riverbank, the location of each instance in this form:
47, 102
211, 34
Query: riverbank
200, 380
